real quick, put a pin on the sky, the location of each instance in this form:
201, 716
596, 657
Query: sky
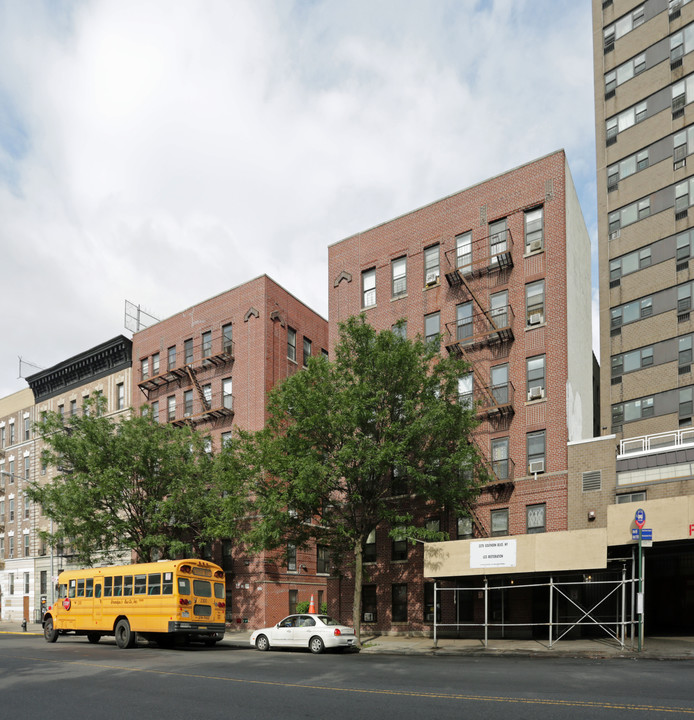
164, 151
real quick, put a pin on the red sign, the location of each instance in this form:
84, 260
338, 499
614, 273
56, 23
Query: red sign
66, 603
691, 530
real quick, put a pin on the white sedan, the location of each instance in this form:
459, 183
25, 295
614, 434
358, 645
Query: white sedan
315, 632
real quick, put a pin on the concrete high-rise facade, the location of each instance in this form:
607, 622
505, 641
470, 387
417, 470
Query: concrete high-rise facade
644, 93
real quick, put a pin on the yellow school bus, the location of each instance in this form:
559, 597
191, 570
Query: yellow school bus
159, 601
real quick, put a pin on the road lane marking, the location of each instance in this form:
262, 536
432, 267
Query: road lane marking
367, 691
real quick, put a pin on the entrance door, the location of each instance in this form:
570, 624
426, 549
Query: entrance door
26, 608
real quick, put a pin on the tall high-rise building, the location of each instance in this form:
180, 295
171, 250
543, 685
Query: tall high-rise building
644, 93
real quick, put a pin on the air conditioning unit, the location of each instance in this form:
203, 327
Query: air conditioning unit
368, 617
535, 245
535, 319
614, 235
536, 393
536, 466
432, 278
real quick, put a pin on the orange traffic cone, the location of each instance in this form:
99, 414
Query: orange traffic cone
312, 606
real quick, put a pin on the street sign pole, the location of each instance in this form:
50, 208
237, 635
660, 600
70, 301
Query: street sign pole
640, 603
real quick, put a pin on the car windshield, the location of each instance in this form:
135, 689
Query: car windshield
328, 620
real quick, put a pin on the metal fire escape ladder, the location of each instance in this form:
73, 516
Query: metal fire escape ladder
191, 374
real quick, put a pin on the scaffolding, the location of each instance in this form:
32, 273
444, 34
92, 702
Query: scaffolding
611, 608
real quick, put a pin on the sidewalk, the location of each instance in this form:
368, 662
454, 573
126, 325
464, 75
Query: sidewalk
654, 648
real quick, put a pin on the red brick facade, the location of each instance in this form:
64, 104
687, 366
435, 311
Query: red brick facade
489, 277
238, 348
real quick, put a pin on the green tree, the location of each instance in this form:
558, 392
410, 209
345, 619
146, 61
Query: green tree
340, 433
131, 484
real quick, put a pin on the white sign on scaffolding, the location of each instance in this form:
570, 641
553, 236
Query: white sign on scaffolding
492, 553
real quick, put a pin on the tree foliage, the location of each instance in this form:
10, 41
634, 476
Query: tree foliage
342, 433
132, 484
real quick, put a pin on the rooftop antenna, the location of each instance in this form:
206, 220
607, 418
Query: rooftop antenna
136, 318
22, 361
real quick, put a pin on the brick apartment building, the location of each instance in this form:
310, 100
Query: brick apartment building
212, 366
501, 271
29, 563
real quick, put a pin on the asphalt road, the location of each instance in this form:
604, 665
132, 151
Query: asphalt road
75, 679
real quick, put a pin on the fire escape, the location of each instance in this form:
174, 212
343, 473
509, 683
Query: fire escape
481, 328
206, 406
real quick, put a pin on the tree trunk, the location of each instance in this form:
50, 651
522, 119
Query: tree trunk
356, 608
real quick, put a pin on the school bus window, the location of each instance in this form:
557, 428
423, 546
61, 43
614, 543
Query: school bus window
80, 588
62, 591
118, 586
154, 584
97, 590
73, 588
202, 588
127, 585
183, 586
90, 587
140, 584
108, 586
219, 591
167, 587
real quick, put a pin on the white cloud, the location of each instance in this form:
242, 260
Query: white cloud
166, 151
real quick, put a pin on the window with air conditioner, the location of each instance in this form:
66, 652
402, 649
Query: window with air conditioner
536, 445
535, 377
535, 302
369, 603
431, 265
534, 230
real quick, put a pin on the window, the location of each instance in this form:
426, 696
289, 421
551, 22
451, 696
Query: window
207, 343
73, 408
626, 167
500, 463
535, 518
43, 582
464, 326
171, 407
398, 482
432, 328
500, 384
498, 243
632, 410
536, 452
188, 351
155, 364
399, 274
535, 303
399, 602
534, 230
27, 429
682, 94
85, 405
463, 252
429, 598
684, 355
631, 312
226, 438
2, 435
431, 265
61, 412
685, 402
626, 119
155, 410
291, 344
144, 371
464, 528
368, 287
293, 599
465, 390
499, 309
631, 262
26, 554
10, 576
171, 358
625, 24
227, 397
187, 403
369, 604
370, 547
632, 360
400, 329
11, 510
623, 73
11, 466
307, 350
27, 469
535, 375
291, 557
630, 497
120, 396
399, 546
227, 339
207, 394
629, 214
499, 520
322, 559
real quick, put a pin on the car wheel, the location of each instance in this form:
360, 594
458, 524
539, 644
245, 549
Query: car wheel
49, 632
316, 645
93, 637
125, 637
262, 643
